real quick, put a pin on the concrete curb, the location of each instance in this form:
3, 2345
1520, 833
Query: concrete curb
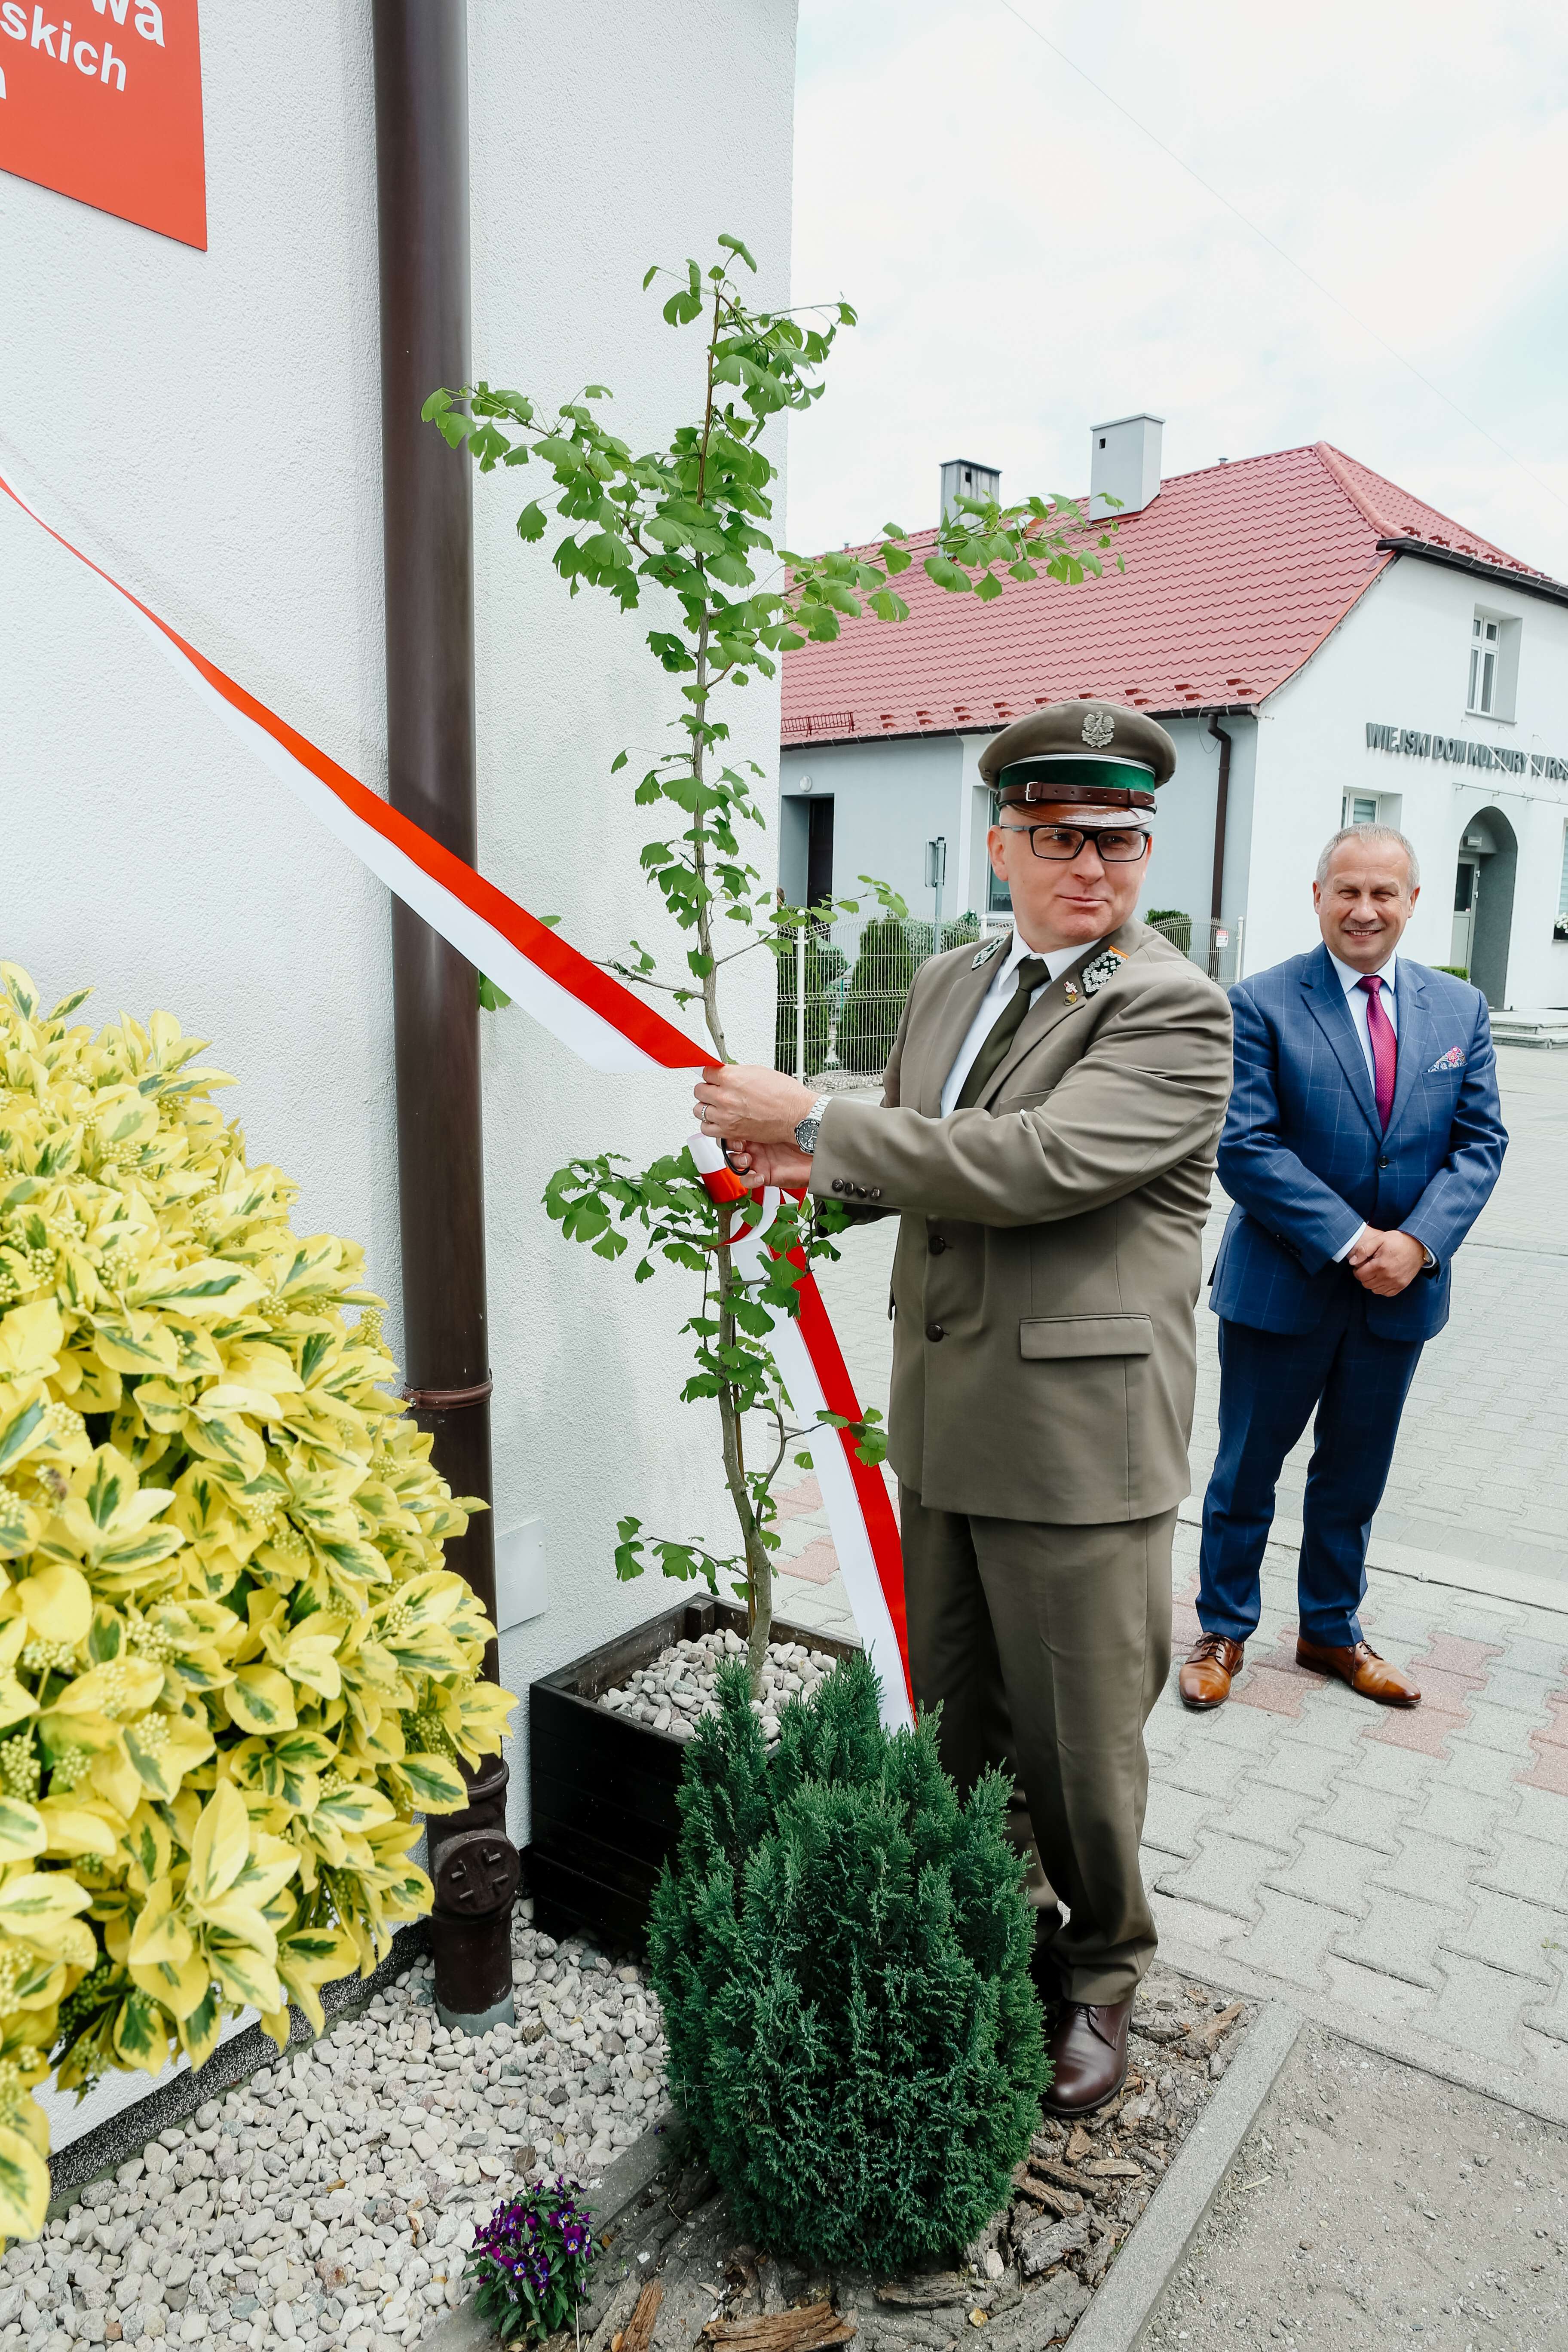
1124, 2305
1448, 1570
620, 2185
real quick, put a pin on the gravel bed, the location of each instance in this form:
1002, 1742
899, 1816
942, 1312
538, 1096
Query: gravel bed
329, 2202
681, 1685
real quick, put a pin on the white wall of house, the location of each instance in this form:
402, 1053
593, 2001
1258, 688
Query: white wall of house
1400, 658
207, 424
890, 798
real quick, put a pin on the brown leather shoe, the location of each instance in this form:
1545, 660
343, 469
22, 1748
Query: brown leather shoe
1087, 2048
1205, 1679
1362, 1669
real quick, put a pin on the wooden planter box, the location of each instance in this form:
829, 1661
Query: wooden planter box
603, 1789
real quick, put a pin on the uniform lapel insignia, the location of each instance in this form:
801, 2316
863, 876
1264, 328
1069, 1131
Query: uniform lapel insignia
992, 948
1105, 967
1453, 1059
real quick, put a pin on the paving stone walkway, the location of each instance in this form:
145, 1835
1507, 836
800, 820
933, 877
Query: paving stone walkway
1402, 1877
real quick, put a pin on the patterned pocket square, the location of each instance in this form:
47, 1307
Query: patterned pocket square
1453, 1059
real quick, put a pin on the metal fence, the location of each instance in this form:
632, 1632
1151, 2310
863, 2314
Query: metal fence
1213, 946
842, 986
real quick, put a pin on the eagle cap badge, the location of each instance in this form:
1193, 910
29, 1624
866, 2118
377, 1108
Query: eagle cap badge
1099, 728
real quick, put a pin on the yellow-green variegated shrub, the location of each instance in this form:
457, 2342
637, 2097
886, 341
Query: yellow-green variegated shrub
232, 1664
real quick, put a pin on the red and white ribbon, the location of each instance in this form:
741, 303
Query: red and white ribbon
607, 1026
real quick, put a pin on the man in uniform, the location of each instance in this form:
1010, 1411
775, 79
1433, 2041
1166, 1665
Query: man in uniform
1047, 1136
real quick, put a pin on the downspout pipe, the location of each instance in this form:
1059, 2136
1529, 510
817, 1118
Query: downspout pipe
1221, 816
422, 214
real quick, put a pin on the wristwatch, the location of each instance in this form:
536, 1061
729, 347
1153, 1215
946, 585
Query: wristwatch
808, 1129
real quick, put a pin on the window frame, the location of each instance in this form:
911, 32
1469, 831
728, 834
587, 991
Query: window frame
1491, 690
1485, 661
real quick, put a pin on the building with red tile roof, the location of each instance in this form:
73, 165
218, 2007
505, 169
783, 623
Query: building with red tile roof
1257, 604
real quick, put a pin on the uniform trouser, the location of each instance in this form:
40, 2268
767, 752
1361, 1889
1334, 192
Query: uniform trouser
1269, 1383
1045, 1647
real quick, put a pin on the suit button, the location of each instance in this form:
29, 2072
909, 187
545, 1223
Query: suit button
839, 1183
937, 1243
1383, 1159
935, 1331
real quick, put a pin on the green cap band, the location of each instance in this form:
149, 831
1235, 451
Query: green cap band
1104, 775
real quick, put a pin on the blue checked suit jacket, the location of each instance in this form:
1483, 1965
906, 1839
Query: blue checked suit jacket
1304, 1159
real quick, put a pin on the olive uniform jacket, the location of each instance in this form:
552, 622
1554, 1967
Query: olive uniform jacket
1050, 1251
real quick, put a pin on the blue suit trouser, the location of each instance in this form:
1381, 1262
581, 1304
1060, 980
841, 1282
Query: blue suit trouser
1269, 1382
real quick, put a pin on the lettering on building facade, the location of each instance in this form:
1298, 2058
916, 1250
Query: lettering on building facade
1415, 743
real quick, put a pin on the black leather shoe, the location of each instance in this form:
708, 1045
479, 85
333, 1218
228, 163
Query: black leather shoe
1088, 2050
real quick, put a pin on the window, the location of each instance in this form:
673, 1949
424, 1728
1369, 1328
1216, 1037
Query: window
1494, 664
1483, 665
1359, 808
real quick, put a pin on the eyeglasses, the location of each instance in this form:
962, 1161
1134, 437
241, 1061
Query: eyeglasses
1064, 842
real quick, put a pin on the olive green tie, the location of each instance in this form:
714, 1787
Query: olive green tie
1009, 1021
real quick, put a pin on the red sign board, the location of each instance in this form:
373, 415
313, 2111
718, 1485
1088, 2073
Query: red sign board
102, 100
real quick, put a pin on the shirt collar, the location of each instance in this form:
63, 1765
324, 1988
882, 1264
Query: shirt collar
1055, 959
1350, 978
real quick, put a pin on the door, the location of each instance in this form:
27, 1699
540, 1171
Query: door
819, 851
1467, 898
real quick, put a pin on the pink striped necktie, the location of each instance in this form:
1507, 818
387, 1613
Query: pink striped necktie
1385, 1046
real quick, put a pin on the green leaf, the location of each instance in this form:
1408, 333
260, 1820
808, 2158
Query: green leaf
531, 520
491, 998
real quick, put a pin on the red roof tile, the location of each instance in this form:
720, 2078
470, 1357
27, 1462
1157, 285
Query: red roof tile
1235, 575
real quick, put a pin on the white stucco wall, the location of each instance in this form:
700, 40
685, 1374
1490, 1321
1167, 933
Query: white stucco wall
888, 800
207, 424
1400, 658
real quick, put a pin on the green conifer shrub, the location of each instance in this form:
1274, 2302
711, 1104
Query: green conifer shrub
878, 985
842, 1949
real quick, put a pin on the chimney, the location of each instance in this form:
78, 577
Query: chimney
962, 478
1124, 462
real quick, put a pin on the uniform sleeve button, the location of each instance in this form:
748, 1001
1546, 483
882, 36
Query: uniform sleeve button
876, 1192
839, 1183
935, 1331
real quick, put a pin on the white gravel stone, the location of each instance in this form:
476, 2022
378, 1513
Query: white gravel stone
681, 1685
327, 2204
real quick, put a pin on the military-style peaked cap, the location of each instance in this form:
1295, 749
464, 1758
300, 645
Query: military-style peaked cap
1092, 754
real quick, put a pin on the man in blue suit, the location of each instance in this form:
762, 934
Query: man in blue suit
1362, 1140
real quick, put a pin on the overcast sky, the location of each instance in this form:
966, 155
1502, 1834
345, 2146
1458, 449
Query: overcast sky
1024, 262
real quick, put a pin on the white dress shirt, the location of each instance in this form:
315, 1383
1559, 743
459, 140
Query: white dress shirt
1359, 1001
994, 1002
